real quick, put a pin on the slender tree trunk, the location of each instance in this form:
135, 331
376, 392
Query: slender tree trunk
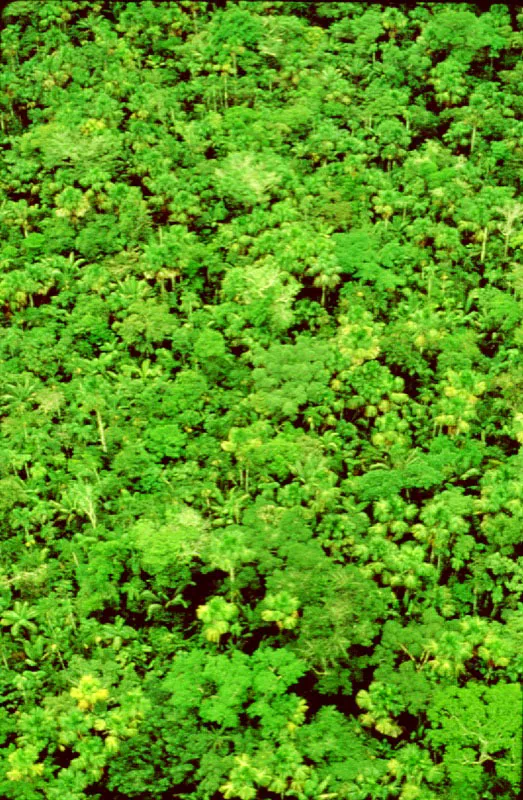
101, 431
429, 286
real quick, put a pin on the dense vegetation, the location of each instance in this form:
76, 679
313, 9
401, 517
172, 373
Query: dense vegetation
261, 401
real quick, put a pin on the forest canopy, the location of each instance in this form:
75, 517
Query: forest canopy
261, 400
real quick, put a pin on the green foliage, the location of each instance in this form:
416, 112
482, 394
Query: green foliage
216, 616
475, 726
260, 400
